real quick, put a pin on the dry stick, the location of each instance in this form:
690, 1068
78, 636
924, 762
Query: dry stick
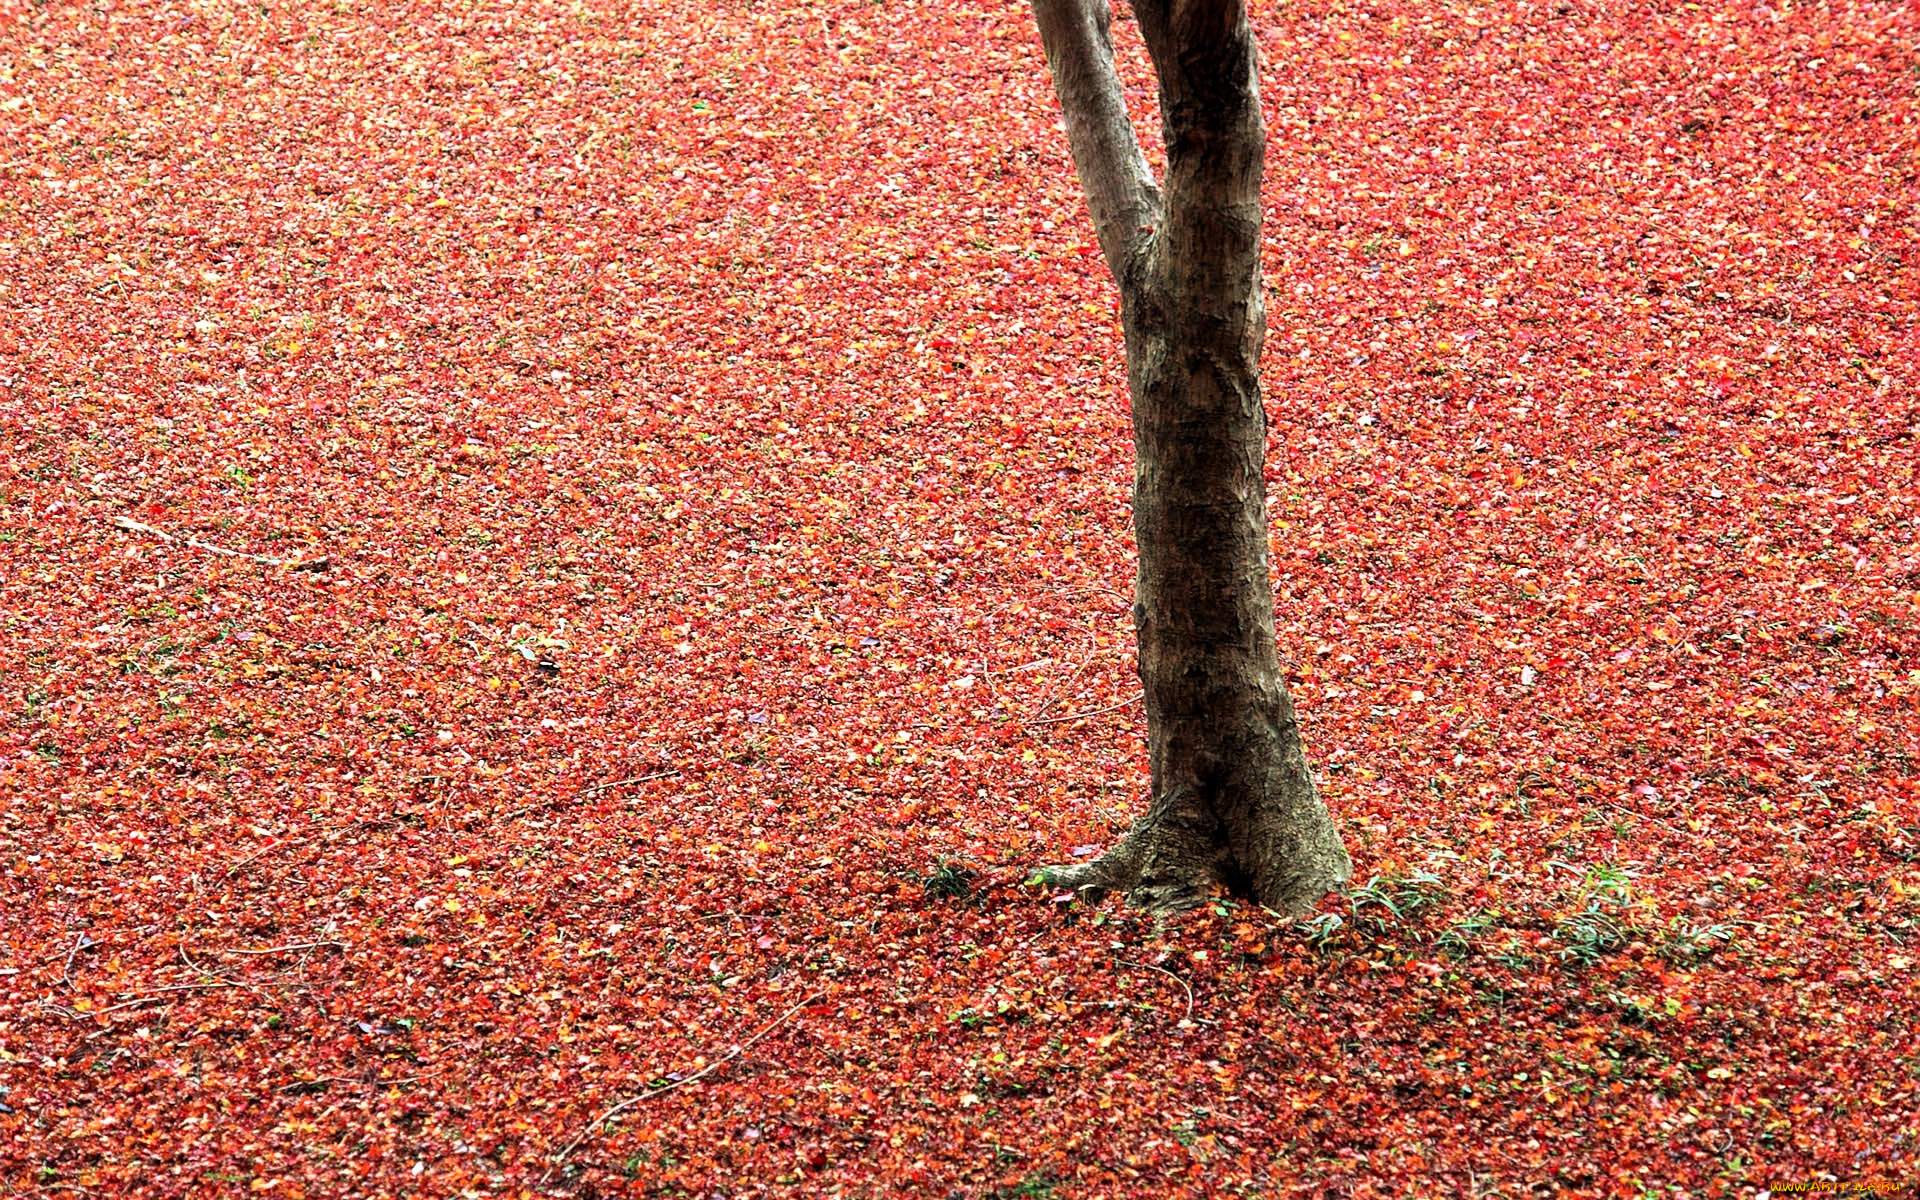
560, 1159
289, 946
299, 968
350, 1079
126, 1004
75, 1014
373, 822
187, 987
1176, 979
258, 854
1081, 716
993, 693
601, 787
1059, 692
214, 974
66, 970
1126, 602
1640, 816
1111, 1004
985, 672
292, 564
1038, 662
524, 809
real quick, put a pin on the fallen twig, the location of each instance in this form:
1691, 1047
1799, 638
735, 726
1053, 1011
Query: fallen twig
1640, 816
282, 841
211, 973
560, 1159
601, 787
1170, 975
292, 564
66, 970
1081, 716
1059, 691
524, 809
1038, 662
1111, 1004
125, 1004
1126, 602
298, 1084
87, 1014
262, 852
186, 987
285, 948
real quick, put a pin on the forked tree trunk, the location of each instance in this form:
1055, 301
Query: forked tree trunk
1233, 800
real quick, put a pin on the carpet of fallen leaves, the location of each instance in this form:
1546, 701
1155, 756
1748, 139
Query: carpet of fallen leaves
711, 422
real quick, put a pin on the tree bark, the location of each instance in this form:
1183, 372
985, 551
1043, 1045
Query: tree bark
1233, 801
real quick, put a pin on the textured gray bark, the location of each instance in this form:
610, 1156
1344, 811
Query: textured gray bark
1233, 800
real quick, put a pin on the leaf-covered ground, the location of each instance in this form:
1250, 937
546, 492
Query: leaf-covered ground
711, 419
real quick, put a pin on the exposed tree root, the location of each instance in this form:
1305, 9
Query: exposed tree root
1171, 859
1160, 866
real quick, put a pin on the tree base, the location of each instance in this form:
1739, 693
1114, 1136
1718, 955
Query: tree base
1158, 873
1168, 865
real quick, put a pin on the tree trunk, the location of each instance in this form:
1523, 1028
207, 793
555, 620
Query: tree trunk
1233, 800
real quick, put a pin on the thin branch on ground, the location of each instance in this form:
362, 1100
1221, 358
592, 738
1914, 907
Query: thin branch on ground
292, 564
213, 973
1081, 716
1126, 602
1640, 816
1170, 975
88, 1014
187, 987
278, 843
1112, 1005
601, 787
559, 1160
524, 809
331, 1079
1060, 690
262, 852
287, 947
66, 969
